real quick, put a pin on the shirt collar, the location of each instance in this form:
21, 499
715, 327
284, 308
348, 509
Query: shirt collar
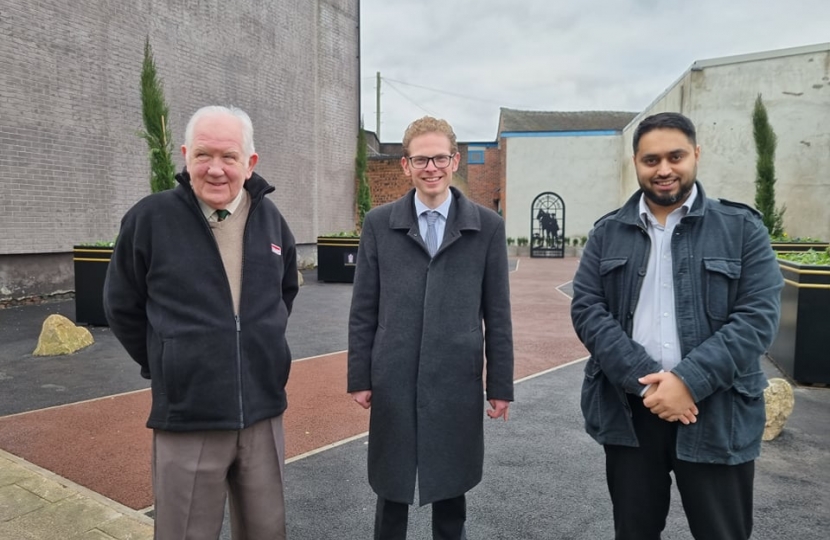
645, 212
232, 206
443, 208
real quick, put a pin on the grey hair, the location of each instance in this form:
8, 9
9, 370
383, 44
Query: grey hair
210, 110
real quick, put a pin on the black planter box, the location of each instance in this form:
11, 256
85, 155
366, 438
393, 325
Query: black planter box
797, 247
802, 347
91, 263
336, 258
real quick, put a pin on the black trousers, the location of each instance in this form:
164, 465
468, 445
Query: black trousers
717, 499
448, 517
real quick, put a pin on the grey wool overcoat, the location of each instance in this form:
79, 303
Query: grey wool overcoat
417, 341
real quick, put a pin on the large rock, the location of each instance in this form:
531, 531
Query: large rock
59, 335
779, 400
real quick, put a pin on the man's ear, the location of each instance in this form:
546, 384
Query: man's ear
252, 161
405, 166
184, 152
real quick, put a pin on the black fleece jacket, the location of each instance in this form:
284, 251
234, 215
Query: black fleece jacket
168, 301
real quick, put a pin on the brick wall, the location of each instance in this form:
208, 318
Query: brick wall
484, 180
386, 179
479, 182
70, 106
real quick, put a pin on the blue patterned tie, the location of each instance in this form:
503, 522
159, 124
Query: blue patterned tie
432, 235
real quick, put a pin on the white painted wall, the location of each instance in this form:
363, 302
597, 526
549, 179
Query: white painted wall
584, 171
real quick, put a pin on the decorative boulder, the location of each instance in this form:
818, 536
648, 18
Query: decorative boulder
59, 336
779, 400
300, 278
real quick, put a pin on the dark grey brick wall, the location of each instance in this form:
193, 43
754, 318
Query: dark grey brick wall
70, 161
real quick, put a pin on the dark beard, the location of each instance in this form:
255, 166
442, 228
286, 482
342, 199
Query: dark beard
669, 200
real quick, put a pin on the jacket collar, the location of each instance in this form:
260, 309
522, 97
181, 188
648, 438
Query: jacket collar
463, 213
630, 211
256, 185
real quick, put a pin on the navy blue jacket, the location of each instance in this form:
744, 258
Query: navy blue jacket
168, 301
727, 287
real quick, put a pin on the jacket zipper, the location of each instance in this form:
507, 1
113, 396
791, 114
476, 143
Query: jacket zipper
239, 369
254, 204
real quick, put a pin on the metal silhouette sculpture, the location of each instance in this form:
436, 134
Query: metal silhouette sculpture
547, 226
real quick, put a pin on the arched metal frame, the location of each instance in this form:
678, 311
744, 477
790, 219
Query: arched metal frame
547, 226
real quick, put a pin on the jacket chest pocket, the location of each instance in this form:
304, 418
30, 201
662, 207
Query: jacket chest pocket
721, 286
612, 276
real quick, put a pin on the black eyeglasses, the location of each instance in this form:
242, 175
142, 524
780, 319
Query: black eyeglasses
421, 162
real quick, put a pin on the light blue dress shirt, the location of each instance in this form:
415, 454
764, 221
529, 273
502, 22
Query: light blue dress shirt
440, 223
655, 322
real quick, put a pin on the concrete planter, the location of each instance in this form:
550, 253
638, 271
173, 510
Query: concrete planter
801, 348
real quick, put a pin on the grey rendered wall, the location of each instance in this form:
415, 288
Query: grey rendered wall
719, 98
672, 100
70, 106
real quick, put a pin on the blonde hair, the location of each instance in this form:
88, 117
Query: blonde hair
425, 125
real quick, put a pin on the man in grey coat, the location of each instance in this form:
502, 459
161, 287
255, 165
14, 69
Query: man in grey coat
431, 300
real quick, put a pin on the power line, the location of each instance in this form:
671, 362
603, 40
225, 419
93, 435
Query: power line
393, 87
454, 94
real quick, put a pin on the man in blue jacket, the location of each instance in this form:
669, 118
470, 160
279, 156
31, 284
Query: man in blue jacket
199, 289
676, 298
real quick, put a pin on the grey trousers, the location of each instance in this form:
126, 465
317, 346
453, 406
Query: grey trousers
194, 472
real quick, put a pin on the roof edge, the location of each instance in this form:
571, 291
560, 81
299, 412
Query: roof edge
764, 55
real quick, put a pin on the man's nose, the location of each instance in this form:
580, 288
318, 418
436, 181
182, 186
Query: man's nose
664, 169
215, 168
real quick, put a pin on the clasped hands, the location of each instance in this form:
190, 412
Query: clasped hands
669, 398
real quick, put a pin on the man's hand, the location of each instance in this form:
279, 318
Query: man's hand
669, 398
363, 398
499, 409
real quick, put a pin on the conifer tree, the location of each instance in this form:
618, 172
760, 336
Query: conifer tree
156, 125
765, 144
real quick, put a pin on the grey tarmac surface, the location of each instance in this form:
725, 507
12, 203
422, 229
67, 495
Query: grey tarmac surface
543, 477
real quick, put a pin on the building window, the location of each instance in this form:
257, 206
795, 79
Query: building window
475, 157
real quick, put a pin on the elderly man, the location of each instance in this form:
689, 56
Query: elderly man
431, 296
209, 332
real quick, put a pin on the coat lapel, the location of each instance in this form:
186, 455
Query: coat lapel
463, 216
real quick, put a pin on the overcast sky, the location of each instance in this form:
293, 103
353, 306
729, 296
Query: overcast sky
464, 59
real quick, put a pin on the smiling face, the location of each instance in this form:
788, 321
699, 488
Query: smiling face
432, 184
216, 161
666, 164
